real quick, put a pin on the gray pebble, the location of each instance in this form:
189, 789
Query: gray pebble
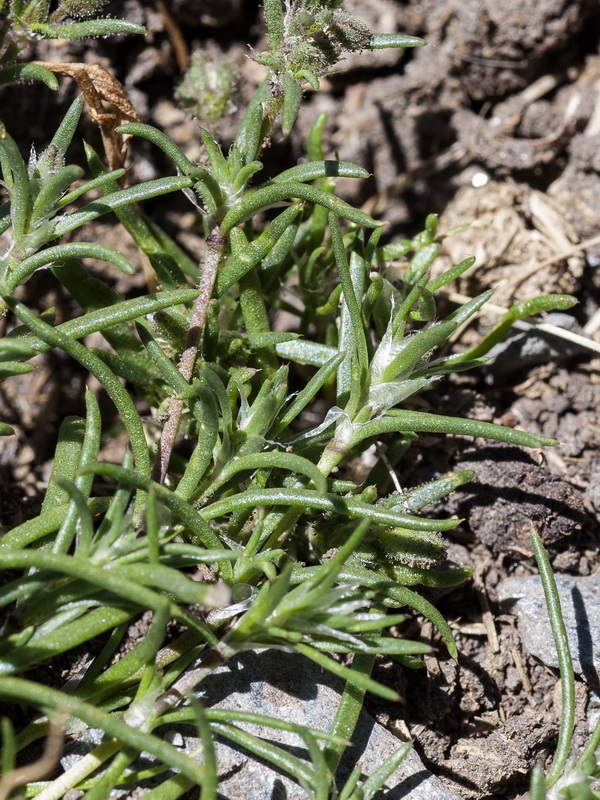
527, 345
580, 601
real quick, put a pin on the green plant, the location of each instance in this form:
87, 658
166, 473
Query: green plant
305, 560
208, 87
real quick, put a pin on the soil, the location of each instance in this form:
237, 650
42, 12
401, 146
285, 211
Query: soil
495, 125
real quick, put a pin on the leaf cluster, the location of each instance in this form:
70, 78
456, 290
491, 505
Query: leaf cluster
307, 38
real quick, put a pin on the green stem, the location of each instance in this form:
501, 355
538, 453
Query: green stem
348, 711
537, 787
565, 660
591, 747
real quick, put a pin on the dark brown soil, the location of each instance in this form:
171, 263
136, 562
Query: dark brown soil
494, 124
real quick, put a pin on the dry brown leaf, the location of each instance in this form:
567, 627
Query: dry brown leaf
108, 104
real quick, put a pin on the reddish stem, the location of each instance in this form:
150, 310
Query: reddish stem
215, 245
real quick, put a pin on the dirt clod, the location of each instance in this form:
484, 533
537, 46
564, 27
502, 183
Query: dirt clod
510, 494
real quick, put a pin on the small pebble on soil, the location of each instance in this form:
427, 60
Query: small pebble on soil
580, 602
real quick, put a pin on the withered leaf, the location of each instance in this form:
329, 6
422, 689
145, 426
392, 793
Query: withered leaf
108, 104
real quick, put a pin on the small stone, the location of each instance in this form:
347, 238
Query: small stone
291, 687
533, 346
580, 602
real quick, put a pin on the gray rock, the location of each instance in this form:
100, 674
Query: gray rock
527, 345
580, 601
289, 687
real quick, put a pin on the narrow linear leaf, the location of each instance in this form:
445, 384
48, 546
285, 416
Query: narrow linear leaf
399, 420
53, 188
450, 274
94, 27
267, 751
108, 317
375, 782
44, 524
65, 251
233, 715
65, 634
82, 568
115, 390
186, 514
416, 348
352, 676
352, 298
379, 41
308, 392
218, 162
250, 254
346, 507
10, 368
161, 140
66, 460
528, 308
305, 352
16, 180
275, 24
268, 196
61, 141
321, 169
28, 72
565, 660
292, 100
95, 183
117, 200
537, 786
277, 460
